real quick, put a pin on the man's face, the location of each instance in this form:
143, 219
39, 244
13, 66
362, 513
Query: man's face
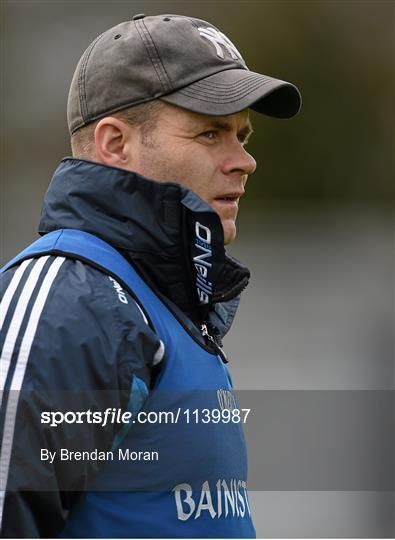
203, 153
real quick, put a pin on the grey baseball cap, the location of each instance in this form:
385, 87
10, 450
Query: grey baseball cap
182, 60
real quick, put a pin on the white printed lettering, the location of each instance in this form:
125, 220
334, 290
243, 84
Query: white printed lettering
183, 516
205, 496
229, 498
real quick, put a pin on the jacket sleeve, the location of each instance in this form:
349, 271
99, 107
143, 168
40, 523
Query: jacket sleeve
72, 342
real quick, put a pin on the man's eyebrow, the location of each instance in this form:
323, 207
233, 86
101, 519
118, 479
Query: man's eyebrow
219, 123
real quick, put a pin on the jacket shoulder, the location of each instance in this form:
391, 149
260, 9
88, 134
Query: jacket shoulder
78, 319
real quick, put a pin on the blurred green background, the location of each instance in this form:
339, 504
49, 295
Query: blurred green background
339, 53
316, 223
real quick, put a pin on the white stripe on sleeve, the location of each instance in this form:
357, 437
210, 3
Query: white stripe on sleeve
19, 373
6, 300
17, 319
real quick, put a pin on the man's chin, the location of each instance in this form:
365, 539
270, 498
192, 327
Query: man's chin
228, 221
229, 228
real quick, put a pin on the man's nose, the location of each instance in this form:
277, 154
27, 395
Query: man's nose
250, 162
239, 160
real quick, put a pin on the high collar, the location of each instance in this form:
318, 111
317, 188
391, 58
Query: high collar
173, 237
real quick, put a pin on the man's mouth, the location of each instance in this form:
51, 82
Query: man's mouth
229, 197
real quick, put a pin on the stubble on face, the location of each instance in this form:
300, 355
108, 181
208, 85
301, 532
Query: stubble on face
176, 151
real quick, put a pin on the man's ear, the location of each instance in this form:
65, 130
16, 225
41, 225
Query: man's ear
113, 142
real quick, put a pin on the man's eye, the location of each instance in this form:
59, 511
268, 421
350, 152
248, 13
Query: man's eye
210, 135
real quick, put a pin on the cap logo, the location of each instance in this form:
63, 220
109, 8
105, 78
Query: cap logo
220, 42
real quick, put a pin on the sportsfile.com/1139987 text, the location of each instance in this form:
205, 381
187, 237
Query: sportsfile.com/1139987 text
118, 416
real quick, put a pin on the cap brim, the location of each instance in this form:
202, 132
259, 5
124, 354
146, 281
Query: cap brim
233, 90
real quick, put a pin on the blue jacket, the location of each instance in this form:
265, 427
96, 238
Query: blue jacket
92, 338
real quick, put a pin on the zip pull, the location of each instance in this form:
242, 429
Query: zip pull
217, 348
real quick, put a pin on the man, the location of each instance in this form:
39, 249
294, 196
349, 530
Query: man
121, 306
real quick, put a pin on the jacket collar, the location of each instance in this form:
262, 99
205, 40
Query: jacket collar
173, 237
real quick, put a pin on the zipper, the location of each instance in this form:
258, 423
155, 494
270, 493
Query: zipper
209, 338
